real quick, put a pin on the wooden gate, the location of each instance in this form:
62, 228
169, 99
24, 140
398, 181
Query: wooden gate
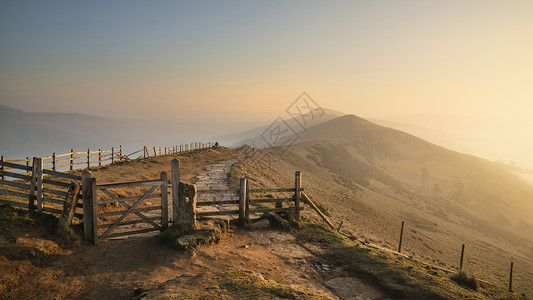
111, 215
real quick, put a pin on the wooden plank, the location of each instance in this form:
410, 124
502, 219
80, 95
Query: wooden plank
46, 157
282, 190
15, 184
54, 182
14, 203
155, 182
313, 206
236, 191
137, 221
114, 213
221, 202
118, 200
54, 192
15, 175
113, 235
269, 200
13, 193
264, 210
15, 166
217, 213
62, 154
63, 160
63, 175
52, 200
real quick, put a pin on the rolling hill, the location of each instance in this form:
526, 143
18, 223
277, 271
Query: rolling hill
372, 177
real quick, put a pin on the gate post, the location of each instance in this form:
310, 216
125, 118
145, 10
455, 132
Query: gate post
175, 176
297, 187
164, 201
242, 200
90, 213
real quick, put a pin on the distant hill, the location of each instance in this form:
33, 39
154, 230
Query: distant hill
253, 136
372, 177
37, 134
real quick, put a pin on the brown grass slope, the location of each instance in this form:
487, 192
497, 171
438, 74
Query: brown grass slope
372, 177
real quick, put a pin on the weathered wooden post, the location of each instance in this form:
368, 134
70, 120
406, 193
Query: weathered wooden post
99, 157
511, 278
33, 185
462, 257
3, 159
401, 238
71, 159
242, 200
88, 158
165, 150
120, 153
90, 212
27, 165
39, 183
112, 154
69, 209
164, 201
175, 179
144, 152
247, 206
54, 161
155, 153
297, 187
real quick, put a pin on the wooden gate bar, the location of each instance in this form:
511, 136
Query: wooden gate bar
128, 211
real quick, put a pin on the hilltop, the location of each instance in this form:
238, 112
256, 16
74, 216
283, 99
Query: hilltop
308, 262
372, 177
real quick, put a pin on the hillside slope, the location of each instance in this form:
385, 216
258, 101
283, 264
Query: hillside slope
372, 178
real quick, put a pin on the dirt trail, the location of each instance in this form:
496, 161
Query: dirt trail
114, 268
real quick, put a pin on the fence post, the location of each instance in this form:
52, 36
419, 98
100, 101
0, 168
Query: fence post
242, 200
462, 257
71, 159
112, 154
511, 278
175, 176
164, 201
53, 161
88, 158
99, 157
401, 238
27, 165
247, 206
90, 217
3, 159
120, 153
144, 152
39, 183
33, 185
165, 150
155, 153
297, 186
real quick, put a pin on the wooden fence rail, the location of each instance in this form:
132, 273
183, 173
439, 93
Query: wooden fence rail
93, 158
37, 188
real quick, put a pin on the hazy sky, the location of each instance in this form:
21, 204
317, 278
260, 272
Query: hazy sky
250, 59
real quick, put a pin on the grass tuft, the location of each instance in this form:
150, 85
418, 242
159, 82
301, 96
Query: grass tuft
464, 279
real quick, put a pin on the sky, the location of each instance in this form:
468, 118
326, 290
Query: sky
248, 60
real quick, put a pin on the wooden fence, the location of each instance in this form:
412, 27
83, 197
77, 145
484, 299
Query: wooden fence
34, 187
248, 201
93, 158
113, 223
